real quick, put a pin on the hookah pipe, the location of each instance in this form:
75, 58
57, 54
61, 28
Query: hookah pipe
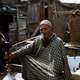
9, 76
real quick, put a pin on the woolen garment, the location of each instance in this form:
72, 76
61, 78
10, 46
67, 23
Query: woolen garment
44, 61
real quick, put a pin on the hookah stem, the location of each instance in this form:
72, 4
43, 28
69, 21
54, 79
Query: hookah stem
8, 61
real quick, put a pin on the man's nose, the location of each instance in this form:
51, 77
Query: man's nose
43, 29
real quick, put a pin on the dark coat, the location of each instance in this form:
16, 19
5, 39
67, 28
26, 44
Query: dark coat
44, 62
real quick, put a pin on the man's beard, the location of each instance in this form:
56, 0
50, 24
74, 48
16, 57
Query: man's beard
45, 37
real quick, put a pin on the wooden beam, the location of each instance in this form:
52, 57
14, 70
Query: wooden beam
77, 11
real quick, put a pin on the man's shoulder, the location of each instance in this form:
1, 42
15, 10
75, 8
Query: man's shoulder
39, 37
57, 39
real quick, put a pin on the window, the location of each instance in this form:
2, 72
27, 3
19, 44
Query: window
70, 1
32, 13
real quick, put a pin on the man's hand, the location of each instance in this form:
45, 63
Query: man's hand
11, 56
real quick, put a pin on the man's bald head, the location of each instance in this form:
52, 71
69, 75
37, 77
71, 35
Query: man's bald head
46, 29
45, 22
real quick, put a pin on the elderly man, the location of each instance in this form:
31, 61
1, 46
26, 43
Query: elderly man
44, 59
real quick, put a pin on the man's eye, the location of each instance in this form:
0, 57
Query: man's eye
44, 29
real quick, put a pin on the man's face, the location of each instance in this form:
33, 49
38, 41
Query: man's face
45, 30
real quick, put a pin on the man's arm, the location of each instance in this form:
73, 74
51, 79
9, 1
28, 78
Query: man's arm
65, 65
67, 73
25, 50
67, 69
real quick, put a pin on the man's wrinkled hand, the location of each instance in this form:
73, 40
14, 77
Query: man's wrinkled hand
11, 57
